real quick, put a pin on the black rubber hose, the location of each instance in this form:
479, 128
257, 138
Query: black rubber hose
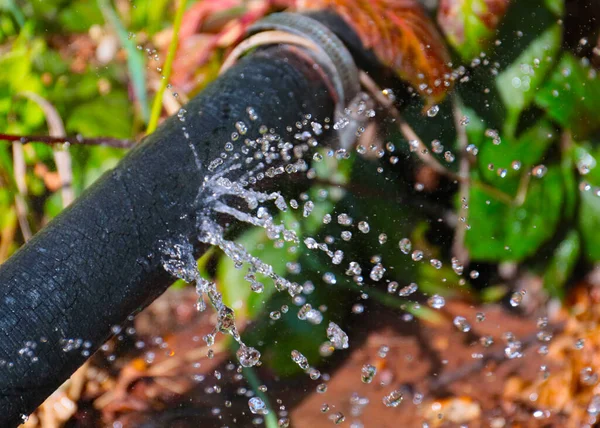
63, 293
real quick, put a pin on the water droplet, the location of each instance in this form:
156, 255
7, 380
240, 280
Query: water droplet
588, 377
300, 359
257, 406
539, 171
457, 266
433, 111
329, 278
405, 245
344, 219
408, 290
436, 301
389, 94
308, 208
338, 418
437, 147
486, 341
513, 350
417, 255
436, 263
367, 373
593, 408
314, 374
364, 227
462, 324
353, 269
377, 272
516, 299
449, 157
346, 235
393, 399
248, 356
337, 336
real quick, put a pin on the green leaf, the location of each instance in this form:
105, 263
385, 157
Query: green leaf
589, 224
533, 223
569, 184
557, 7
570, 96
519, 83
562, 264
501, 232
528, 150
109, 115
470, 24
79, 16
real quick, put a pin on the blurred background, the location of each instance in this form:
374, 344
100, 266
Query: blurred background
488, 313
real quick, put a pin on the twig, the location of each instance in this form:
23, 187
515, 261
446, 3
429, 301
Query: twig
98, 141
458, 246
62, 158
423, 151
158, 98
20, 170
522, 190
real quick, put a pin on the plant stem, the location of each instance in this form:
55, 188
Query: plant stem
157, 103
254, 381
98, 141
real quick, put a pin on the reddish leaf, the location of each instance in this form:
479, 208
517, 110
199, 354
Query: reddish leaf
402, 36
469, 24
210, 25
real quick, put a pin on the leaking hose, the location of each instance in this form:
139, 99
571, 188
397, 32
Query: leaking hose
65, 292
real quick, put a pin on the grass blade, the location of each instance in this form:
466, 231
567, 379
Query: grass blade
135, 59
157, 103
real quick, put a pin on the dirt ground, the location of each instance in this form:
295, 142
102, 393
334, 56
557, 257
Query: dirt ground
447, 377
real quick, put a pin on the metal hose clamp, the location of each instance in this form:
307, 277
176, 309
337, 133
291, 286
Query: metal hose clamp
328, 51
344, 72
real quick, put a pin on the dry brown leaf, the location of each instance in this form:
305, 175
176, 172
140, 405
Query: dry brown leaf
402, 36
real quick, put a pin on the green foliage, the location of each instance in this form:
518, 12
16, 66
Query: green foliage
110, 114
513, 232
571, 96
79, 16
562, 264
519, 83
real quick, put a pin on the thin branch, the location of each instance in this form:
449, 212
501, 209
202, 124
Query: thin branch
62, 157
20, 169
98, 141
422, 151
458, 246
522, 190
